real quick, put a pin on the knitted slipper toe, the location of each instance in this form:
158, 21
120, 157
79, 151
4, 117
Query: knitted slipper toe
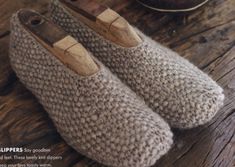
97, 115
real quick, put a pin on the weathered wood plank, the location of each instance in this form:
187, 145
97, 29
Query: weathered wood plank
204, 48
169, 28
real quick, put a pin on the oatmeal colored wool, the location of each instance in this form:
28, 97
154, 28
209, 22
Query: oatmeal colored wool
97, 115
171, 86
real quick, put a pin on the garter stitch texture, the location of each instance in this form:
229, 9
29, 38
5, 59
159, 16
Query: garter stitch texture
170, 85
97, 115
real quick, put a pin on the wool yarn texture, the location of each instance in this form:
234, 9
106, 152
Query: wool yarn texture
97, 115
169, 84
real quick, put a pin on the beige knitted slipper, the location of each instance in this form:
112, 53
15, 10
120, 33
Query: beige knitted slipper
97, 115
176, 89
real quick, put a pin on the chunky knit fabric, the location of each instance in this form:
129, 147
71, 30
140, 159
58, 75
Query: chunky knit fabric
97, 115
169, 84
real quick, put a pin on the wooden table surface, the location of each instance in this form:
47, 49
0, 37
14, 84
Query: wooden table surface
206, 37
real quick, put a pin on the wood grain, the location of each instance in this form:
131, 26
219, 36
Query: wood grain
89, 8
75, 56
206, 37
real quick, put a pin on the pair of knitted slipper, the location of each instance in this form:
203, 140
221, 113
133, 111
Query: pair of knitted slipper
98, 115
